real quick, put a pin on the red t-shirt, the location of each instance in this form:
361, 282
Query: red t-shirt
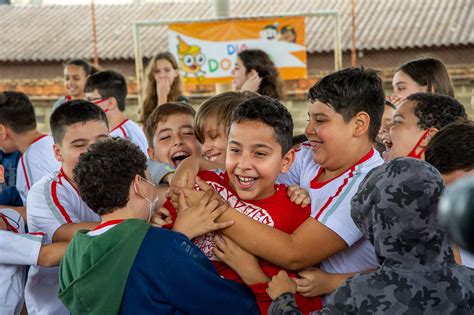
276, 211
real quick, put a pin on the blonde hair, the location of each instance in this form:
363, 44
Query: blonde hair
151, 94
219, 107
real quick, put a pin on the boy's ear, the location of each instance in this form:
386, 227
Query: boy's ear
361, 124
287, 161
151, 154
428, 137
57, 153
113, 103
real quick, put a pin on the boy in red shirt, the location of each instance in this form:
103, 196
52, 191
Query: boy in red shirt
253, 162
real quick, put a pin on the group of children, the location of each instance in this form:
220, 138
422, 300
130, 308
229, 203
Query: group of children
332, 210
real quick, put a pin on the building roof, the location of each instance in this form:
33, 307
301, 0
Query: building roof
56, 33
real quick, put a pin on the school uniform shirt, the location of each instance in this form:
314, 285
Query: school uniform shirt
330, 205
17, 249
276, 211
132, 132
52, 202
37, 161
129, 267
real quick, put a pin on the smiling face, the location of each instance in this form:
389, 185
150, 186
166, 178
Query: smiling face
174, 140
386, 123
164, 70
254, 160
215, 141
77, 139
404, 85
75, 80
239, 74
404, 132
330, 136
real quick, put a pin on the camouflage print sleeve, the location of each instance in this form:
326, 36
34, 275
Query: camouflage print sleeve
284, 305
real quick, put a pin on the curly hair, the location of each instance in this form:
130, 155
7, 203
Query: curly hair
258, 60
436, 110
270, 112
350, 91
452, 148
151, 94
104, 173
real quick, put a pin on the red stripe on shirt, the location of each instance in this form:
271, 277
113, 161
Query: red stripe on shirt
111, 222
24, 172
58, 204
22, 159
315, 184
61, 175
328, 202
9, 226
119, 126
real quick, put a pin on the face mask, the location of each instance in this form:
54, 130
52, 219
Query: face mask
151, 203
413, 153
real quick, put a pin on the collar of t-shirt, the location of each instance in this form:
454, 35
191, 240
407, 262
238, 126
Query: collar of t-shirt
104, 227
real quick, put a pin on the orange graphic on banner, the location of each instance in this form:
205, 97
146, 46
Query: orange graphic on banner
207, 51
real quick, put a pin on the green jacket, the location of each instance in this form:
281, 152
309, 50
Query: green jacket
94, 270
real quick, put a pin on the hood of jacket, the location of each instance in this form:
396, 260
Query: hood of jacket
94, 270
396, 209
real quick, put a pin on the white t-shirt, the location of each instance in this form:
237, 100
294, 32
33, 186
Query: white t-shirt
17, 249
37, 161
131, 131
52, 202
331, 205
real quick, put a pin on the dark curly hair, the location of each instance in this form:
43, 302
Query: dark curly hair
258, 60
436, 110
452, 148
350, 91
104, 173
270, 112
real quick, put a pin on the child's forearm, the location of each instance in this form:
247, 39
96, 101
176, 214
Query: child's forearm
66, 232
51, 254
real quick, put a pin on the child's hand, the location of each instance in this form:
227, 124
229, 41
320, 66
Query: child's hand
313, 281
299, 196
161, 217
244, 263
3, 225
253, 82
186, 172
395, 100
163, 88
198, 220
192, 196
280, 284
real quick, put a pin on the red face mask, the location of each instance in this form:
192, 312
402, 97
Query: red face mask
413, 153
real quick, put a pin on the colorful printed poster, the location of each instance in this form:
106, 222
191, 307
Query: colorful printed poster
207, 51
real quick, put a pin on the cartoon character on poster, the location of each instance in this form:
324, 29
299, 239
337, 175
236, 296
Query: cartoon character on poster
191, 60
270, 32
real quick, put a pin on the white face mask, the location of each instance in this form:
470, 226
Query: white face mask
151, 203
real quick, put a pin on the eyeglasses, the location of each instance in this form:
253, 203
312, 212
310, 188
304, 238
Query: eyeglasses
97, 100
